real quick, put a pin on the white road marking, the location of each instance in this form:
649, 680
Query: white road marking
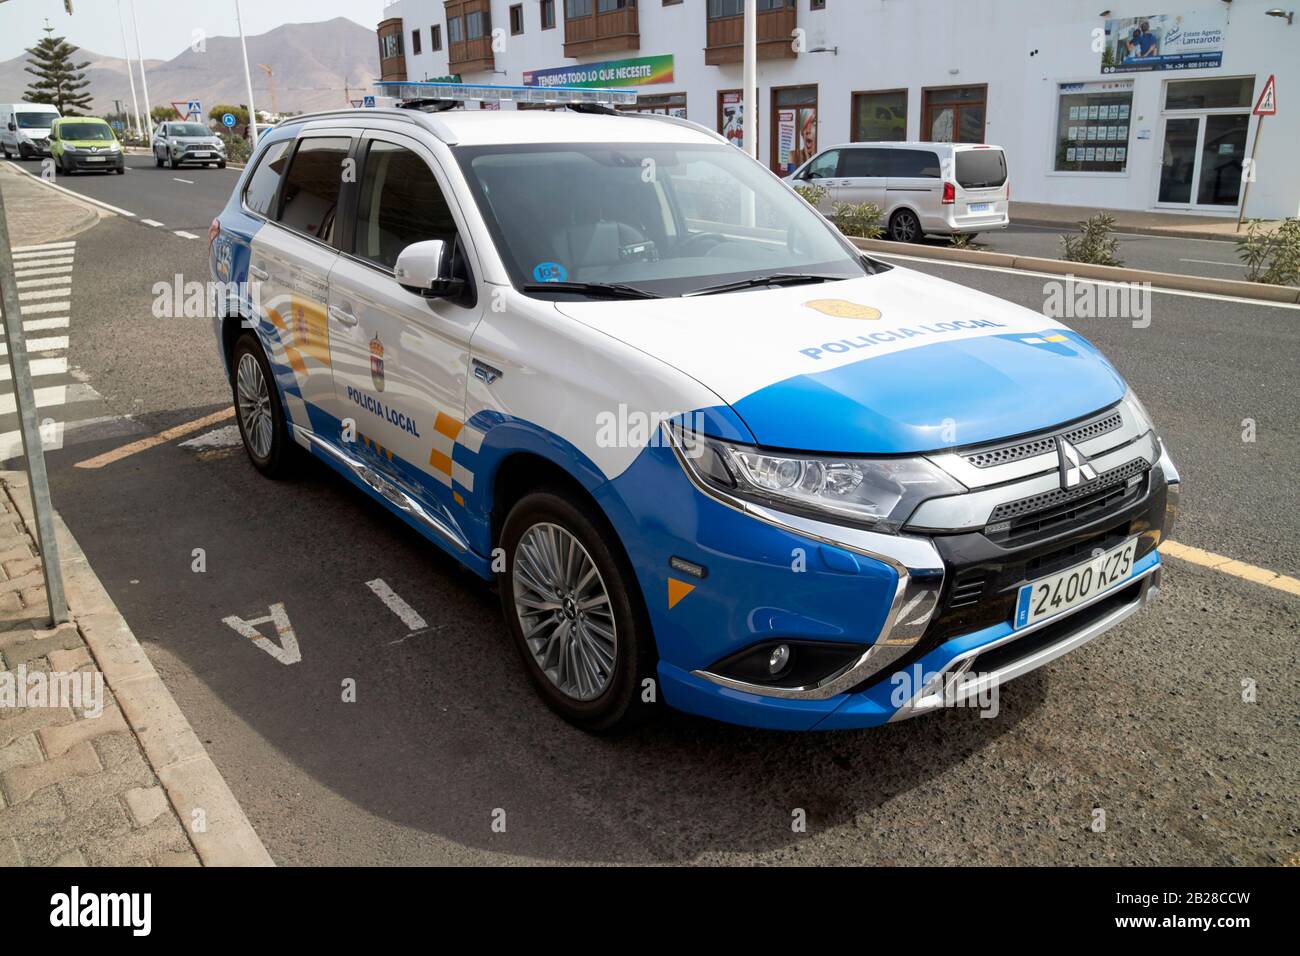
35, 260
1214, 262
286, 652
36, 307
52, 395
151, 222
51, 344
11, 443
39, 367
183, 234
43, 269
1060, 277
72, 192
42, 281
188, 182
408, 615
226, 437
42, 247
41, 325
44, 294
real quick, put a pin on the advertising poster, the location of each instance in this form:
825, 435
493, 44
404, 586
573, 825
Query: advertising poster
1192, 41
732, 118
639, 71
796, 137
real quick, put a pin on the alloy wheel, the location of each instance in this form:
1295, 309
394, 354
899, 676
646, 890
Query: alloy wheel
254, 405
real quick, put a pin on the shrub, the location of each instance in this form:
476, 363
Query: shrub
812, 194
961, 240
1273, 258
237, 148
860, 219
1094, 244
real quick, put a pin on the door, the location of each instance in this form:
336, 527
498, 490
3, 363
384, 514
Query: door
289, 265
863, 175
1178, 159
915, 181
823, 172
1223, 147
400, 360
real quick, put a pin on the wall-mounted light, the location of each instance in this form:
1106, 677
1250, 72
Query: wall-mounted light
1278, 12
826, 49
1104, 13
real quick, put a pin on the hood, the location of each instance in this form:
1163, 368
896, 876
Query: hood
211, 140
35, 132
894, 363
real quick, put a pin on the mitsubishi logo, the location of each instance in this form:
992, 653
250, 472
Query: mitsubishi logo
1075, 467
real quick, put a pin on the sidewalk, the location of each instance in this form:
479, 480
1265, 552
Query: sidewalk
36, 213
114, 776
1134, 221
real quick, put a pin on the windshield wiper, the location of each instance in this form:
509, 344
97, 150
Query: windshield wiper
776, 279
606, 290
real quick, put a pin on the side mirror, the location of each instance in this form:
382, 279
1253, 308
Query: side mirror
13, 127
425, 268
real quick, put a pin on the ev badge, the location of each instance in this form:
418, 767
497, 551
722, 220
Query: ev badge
1075, 467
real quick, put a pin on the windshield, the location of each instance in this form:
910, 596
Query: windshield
98, 132
36, 120
189, 129
667, 219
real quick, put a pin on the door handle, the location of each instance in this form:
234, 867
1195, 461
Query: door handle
342, 316
259, 274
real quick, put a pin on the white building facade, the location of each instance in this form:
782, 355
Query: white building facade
1107, 108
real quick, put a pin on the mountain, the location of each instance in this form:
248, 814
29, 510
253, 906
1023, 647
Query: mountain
311, 63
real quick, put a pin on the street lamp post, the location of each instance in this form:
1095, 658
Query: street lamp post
749, 102
248, 81
139, 53
130, 73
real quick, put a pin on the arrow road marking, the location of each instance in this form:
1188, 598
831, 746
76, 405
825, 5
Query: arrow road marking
286, 652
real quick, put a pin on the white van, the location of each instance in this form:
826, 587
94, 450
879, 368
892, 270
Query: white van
921, 188
25, 128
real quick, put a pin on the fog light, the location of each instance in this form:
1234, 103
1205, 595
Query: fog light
777, 660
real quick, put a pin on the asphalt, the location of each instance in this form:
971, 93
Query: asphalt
1147, 723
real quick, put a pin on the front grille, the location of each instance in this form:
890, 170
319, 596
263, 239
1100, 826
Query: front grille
966, 591
1042, 446
1059, 496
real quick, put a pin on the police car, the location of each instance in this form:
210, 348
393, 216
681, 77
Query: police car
711, 454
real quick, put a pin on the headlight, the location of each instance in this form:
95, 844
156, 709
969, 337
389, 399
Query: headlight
1139, 411
876, 493
69, 149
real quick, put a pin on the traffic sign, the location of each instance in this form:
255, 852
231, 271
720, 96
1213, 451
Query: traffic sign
356, 104
195, 109
1266, 105
369, 102
228, 119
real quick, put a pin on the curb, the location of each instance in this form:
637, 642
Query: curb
177, 756
1165, 232
1234, 288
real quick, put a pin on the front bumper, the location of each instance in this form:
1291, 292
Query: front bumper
960, 639
90, 161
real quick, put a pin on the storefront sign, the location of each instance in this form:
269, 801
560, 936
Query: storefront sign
732, 117
641, 71
1164, 41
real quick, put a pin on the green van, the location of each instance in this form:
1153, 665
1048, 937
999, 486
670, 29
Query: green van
85, 142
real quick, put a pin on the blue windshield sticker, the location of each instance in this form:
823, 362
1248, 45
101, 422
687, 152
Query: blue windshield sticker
550, 272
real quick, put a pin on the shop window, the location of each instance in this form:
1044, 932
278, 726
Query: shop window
1235, 93
794, 127
880, 117
1093, 126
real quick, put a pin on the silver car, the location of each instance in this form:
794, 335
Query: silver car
177, 143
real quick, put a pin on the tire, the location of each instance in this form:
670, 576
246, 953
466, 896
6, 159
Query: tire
6, 151
263, 429
606, 697
120, 170
221, 165
905, 227
157, 160
171, 162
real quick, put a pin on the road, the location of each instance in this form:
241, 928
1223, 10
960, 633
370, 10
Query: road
1147, 723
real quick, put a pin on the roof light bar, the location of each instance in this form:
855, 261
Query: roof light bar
484, 93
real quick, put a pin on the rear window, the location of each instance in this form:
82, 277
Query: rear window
981, 168
259, 196
914, 164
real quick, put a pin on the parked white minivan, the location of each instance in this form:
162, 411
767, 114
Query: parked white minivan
921, 188
25, 128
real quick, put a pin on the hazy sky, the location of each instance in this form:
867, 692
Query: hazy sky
166, 26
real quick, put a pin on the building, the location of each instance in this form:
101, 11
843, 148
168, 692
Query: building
1112, 108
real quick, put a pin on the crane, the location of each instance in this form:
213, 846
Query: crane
270, 85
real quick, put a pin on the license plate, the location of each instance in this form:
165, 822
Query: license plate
95, 159
1058, 593
198, 153
979, 207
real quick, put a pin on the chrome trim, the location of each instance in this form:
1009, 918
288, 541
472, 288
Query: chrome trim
907, 555
955, 463
971, 511
386, 489
938, 688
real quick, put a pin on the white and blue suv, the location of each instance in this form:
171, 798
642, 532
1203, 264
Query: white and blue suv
712, 455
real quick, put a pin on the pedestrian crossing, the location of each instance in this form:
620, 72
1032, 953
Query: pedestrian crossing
65, 404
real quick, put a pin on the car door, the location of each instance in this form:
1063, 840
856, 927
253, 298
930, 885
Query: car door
823, 170
290, 259
916, 181
863, 174
401, 359
159, 137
